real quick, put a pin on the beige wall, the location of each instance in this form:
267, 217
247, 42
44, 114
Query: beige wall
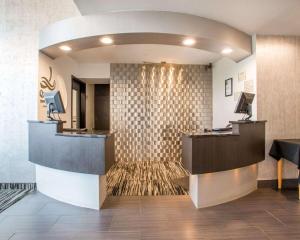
223, 107
278, 95
63, 68
62, 71
20, 21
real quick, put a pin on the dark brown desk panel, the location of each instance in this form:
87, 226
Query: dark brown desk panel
213, 152
82, 153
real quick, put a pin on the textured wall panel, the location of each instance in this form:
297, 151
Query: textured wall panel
20, 21
278, 96
152, 104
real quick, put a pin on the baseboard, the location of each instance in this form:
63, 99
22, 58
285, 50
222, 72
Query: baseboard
286, 183
27, 186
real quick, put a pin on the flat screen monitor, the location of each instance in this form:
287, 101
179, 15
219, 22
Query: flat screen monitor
244, 104
54, 103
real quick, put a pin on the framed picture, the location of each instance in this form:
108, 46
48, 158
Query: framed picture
228, 87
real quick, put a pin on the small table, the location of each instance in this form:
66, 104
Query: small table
288, 149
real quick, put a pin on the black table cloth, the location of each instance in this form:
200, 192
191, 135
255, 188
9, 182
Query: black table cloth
288, 149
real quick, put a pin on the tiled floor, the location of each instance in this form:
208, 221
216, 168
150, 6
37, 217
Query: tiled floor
264, 214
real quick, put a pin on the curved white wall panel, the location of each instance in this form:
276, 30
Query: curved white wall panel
212, 189
83, 190
144, 27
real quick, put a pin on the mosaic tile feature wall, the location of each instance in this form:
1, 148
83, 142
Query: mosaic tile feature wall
152, 104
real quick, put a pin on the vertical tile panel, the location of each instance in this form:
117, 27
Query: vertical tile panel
152, 104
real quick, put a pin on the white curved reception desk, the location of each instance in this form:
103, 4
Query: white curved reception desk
223, 166
70, 167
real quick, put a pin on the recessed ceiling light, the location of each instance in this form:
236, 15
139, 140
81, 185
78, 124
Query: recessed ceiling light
227, 50
188, 41
106, 40
65, 48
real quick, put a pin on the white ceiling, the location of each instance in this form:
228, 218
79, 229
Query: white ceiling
139, 53
251, 16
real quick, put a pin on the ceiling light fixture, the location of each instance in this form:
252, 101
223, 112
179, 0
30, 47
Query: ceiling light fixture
65, 48
106, 40
227, 50
188, 41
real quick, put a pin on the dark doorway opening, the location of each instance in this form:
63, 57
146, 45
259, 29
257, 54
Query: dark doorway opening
102, 106
78, 99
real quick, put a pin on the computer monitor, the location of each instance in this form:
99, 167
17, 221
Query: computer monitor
244, 104
54, 103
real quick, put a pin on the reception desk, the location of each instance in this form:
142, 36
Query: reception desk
223, 166
71, 166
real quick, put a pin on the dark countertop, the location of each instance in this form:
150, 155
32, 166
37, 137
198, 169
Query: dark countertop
80, 151
233, 132
208, 152
73, 132
45, 122
88, 134
207, 134
247, 122
289, 140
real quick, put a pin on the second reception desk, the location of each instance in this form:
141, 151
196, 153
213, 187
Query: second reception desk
223, 166
70, 166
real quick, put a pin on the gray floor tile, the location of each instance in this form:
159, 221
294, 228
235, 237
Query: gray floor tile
58, 208
2, 216
79, 236
24, 208
13, 224
264, 214
82, 223
5, 236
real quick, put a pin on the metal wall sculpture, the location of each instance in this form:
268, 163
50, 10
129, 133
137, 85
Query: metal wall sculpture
46, 84
151, 105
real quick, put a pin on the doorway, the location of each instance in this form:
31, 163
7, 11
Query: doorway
78, 101
102, 106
